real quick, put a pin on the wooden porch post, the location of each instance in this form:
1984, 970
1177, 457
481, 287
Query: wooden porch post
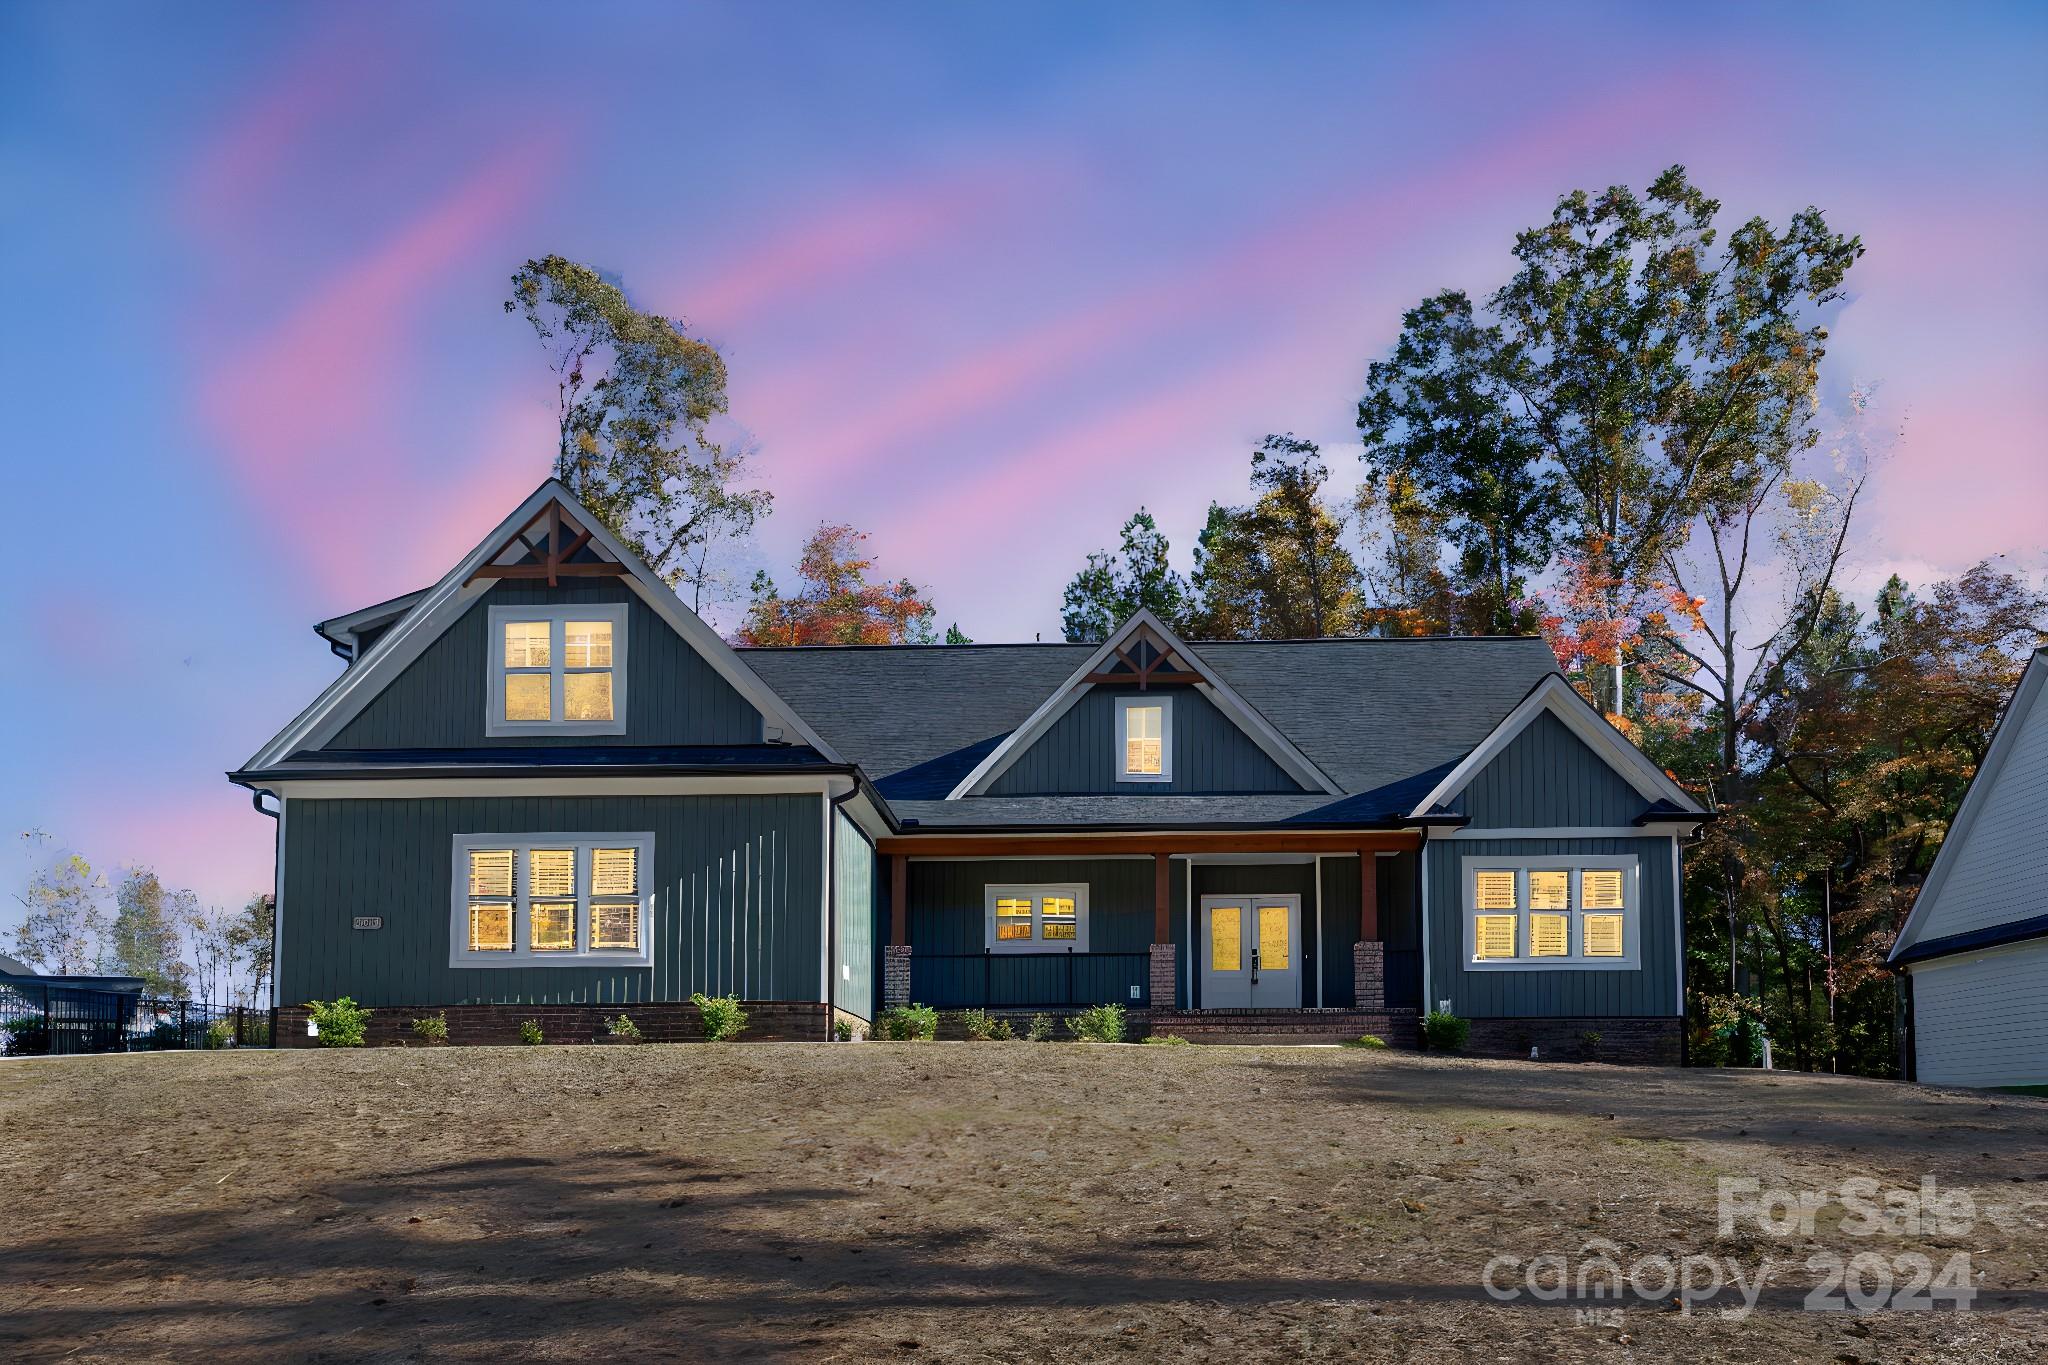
1368, 897
1162, 897
899, 899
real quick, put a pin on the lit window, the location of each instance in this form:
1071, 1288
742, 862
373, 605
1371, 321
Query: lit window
520, 899
1044, 918
558, 668
1144, 739
1569, 912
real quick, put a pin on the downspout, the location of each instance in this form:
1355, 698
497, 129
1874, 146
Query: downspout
256, 795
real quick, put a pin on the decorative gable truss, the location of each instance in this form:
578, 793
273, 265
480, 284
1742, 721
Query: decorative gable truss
549, 537
1143, 653
1667, 801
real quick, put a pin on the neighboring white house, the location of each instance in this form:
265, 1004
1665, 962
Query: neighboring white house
1975, 948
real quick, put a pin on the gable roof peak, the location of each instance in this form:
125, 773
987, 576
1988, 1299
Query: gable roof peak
1145, 650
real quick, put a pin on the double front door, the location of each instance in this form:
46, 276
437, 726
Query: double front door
1251, 952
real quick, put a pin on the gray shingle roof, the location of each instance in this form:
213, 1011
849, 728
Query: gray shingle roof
1384, 718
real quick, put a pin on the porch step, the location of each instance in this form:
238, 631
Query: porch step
1398, 1027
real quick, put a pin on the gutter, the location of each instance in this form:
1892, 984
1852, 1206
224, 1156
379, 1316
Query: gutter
254, 778
1997, 936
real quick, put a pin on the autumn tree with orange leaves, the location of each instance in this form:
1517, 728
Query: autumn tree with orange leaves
837, 604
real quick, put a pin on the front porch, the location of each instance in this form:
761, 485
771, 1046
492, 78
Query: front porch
1278, 933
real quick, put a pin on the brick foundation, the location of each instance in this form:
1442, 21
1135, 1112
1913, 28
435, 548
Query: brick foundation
895, 975
662, 1022
1642, 1042
1165, 977
1397, 1027
1369, 975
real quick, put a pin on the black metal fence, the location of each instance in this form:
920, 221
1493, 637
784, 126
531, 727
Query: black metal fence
40, 1020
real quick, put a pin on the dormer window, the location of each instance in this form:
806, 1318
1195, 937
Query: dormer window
558, 670
1144, 739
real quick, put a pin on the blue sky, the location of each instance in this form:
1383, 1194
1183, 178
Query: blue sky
985, 276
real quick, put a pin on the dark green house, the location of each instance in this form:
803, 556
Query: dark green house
544, 789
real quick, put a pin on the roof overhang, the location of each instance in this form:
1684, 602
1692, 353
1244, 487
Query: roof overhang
1261, 731
1558, 697
2003, 738
438, 607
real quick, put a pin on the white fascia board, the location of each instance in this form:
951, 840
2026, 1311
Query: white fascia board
2002, 740
384, 788
1560, 699
442, 604
1062, 699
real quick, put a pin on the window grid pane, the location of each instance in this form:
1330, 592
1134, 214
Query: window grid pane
587, 644
1550, 890
551, 872
490, 872
1550, 935
1494, 890
1600, 888
1603, 935
490, 927
1056, 918
1493, 936
1226, 934
614, 871
551, 926
527, 644
1013, 918
587, 696
615, 926
529, 696
1273, 938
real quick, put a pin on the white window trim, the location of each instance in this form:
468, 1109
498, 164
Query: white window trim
495, 724
1123, 710
1576, 961
522, 954
1037, 943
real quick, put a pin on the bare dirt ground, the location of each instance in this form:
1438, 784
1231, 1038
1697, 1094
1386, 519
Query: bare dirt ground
959, 1202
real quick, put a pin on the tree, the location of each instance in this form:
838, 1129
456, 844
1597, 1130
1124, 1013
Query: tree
254, 934
213, 936
836, 604
144, 938
634, 396
1402, 567
1630, 366
1278, 569
65, 918
1113, 587
956, 636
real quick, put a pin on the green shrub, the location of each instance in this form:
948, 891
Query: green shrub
341, 1023
983, 1027
1166, 1040
1589, 1042
622, 1027
432, 1029
1370, 1041
910, 1024
842, 1030
529, 1032
1098, 1024
724, 1020
25, 1035
1040, 1029
168, 1036
219, 1034
1444, 1031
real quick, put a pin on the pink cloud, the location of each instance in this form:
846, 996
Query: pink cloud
339, 63
835, 240
306, 410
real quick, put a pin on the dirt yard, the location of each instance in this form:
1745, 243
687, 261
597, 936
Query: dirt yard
961, 1202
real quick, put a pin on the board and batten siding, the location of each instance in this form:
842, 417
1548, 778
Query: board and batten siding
1077, 755
1646, 991
673, 697
853, 918
1996, 876
948, 919
1400, 910
1982, 1018
737, 884
1546, 777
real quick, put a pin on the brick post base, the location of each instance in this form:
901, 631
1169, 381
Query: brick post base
895, 974
1165, 981
1369, 975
